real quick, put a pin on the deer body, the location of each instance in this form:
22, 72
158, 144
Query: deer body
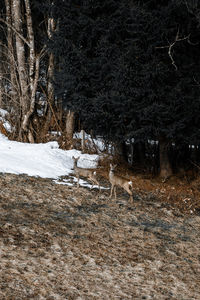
88, 173
117, 180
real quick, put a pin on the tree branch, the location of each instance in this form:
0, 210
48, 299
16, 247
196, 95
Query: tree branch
13, 28
177, 39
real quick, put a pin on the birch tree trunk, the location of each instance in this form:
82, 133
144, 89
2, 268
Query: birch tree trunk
50, 89
33, 71
1, 75
31, 41
11, 59
27, 66
51, 25
20, 52
24, 64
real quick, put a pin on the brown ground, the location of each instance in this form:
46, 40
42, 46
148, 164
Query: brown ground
57, 242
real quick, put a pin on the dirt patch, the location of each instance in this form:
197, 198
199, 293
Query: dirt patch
181, 193
57, 242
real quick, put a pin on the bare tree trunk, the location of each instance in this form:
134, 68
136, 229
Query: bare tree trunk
31, 44
121, 151
27, 67
33, 63
24, 65
50, 94
14, 89
139, 152
165, 166
20, 51
50, 89
69, 128
26, 120
12, 95
1, 75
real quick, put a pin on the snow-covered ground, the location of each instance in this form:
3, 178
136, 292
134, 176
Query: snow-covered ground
97, 144
43, 160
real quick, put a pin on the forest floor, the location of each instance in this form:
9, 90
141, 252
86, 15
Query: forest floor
60, 242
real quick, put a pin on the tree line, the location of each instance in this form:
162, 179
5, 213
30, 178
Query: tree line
127, 71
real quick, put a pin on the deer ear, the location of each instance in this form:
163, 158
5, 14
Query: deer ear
115, 166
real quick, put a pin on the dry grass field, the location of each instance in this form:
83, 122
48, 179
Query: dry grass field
58, 242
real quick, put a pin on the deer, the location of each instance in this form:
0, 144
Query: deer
89, 173
117, 180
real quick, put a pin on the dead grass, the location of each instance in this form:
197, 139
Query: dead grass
57, 242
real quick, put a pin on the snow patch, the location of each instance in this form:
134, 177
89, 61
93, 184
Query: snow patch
44, 160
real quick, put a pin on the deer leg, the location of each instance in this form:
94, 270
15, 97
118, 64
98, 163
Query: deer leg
97, 183
111, 190
115, 192
92, 183
130, 193
131, 197
78, 181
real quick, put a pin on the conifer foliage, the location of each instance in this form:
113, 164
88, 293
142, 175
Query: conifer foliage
131, 69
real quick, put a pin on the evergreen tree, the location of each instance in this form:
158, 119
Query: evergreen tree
131, 70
